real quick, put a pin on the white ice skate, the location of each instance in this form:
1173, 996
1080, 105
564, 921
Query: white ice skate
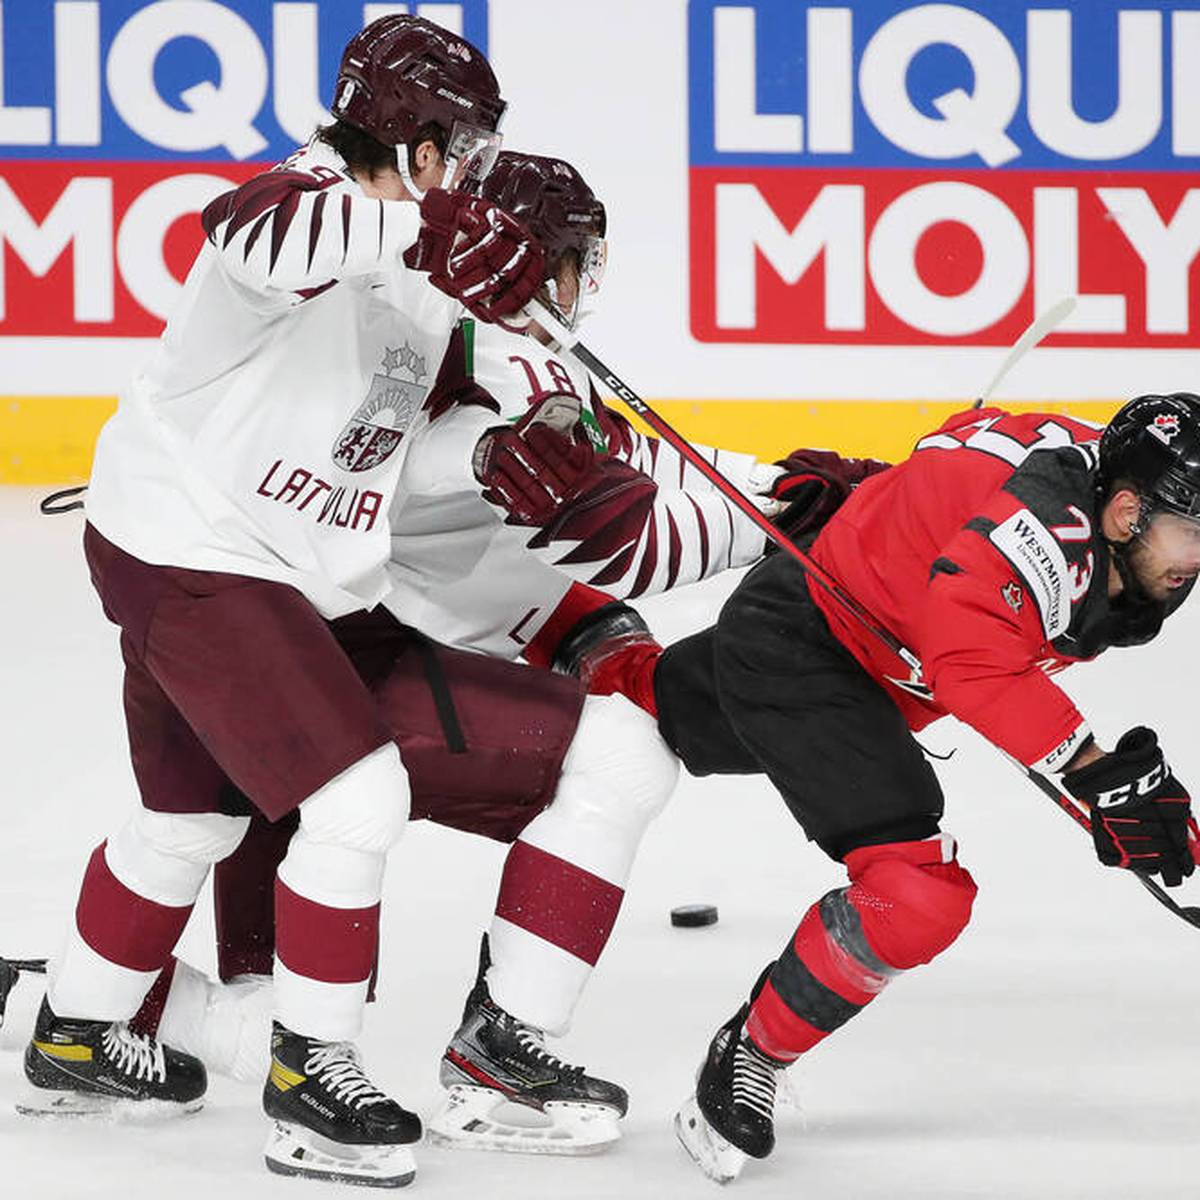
296, 1150
482, 1118
719, 1160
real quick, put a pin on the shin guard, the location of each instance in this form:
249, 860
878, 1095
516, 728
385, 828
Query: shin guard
906, 903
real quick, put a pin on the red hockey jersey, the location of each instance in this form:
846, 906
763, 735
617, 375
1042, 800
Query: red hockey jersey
981, 552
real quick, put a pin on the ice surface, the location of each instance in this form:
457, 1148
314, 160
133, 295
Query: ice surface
1053, 1052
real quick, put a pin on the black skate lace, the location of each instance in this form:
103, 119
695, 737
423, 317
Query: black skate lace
754, 1079
532, 1040
336, 1065
134, 1053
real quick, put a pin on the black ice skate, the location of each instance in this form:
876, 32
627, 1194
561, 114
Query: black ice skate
89, 1068
732, 1114
330, 1121
506, 1091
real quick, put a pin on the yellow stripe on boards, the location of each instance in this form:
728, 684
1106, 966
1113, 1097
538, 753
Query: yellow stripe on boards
71, 1053
884, 429
49, 440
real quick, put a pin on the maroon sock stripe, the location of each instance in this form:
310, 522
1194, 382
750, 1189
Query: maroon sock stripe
123, 927
244, 897
147, 1018
558, 901
331, 945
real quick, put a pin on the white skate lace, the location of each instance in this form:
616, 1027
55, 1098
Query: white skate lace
533, 1040
336, 1065
134, 1053
754, 1079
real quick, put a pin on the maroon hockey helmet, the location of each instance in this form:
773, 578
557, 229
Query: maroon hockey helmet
402, 73
550, 198
553, 201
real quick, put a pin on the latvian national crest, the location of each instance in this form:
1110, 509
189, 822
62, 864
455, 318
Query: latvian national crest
377, 428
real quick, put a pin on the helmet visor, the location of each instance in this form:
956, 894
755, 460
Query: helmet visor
581, 302
470, 154
591, 268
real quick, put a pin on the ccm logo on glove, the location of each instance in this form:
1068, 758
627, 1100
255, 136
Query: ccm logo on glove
1140, 787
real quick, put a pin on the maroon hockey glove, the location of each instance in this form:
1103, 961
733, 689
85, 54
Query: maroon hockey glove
1141, 814
476, 253
531, 468
814, 485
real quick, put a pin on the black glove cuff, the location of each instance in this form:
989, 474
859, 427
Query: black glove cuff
600, 625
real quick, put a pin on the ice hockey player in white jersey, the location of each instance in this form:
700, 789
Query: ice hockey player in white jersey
564, 878
239, 499
492, 572
466, 575
490, 575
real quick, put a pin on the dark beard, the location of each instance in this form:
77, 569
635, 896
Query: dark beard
1135, 615
1129, 557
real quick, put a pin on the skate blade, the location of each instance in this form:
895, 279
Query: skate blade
714, 1156
475, 1118
48, 1102
292, 1150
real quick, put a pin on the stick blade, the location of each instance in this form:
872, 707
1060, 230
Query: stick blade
1046, 321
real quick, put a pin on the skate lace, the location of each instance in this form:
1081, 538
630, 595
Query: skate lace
533, 1042
754, 1079
336, 1065
134, 1053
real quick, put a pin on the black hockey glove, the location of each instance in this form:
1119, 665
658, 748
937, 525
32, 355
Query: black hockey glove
1141, 814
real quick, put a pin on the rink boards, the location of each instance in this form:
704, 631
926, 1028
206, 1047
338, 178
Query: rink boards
826, 220
49, 439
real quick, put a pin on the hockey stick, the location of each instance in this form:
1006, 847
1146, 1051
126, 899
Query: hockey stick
569, 341
1038, 328
1186, 912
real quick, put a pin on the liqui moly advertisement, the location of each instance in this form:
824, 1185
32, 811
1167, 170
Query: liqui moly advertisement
937, 173
120, 120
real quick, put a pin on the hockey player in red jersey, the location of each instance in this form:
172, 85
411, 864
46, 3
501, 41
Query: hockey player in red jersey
238, 506
1005, 548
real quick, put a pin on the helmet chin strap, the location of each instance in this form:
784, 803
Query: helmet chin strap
406, 174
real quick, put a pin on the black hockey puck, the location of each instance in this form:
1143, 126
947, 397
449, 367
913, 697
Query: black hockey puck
691, 916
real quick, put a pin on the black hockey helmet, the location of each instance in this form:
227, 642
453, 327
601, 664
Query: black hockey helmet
1153, 442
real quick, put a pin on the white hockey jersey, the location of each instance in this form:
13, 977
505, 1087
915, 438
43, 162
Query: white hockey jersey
466, 578
267, 434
